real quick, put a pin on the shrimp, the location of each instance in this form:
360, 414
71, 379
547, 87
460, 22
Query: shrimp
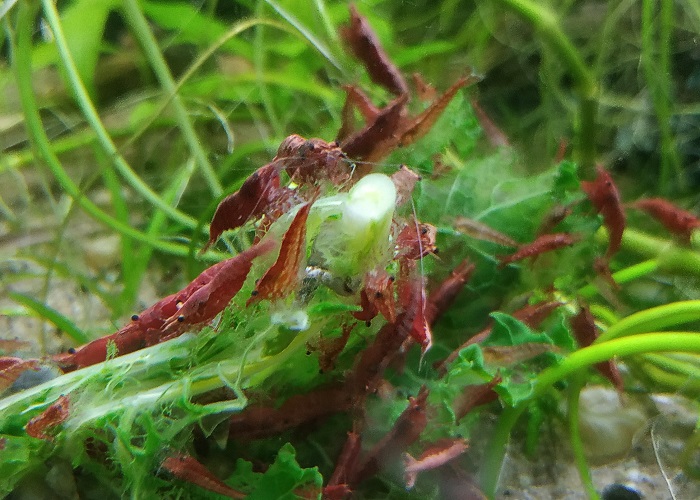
365, 45
209, 300
187, 468
605, 197
584, 329
433, 457
674, 218
442, 297
480, 231
281, 278
54, 415
251, 201
544, 243
377, 297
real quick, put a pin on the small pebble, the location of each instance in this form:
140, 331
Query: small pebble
620, 492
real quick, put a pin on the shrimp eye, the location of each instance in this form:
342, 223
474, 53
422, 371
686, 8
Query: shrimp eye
135, 317
71, 350
181, 318
392, 278
424, 230
254, 293
436, 250
368, 324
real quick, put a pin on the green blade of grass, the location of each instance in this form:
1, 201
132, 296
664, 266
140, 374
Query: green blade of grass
65, 271
92, 117
21, 50
53, 316
313, 40
235, 30
676, 313
139, 26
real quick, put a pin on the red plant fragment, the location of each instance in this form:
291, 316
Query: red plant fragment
444, 295
678, 221
187, 468
57, 413
475, 395
544, 243
365, 45
282, 277
416, 240
405, 431
254, 197
421, 124
605, 198
494, 134
434, 456
12, 368
584, 329
404, 180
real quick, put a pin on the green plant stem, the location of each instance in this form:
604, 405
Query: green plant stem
656, 318
259, 64
93, 119
657, 70
669, 364
23, 72
304, 31
139, 25
234, 31
665, 381
547, 24
668, 255
623, 276
14, 160
635, 344
573, 405
49, 314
